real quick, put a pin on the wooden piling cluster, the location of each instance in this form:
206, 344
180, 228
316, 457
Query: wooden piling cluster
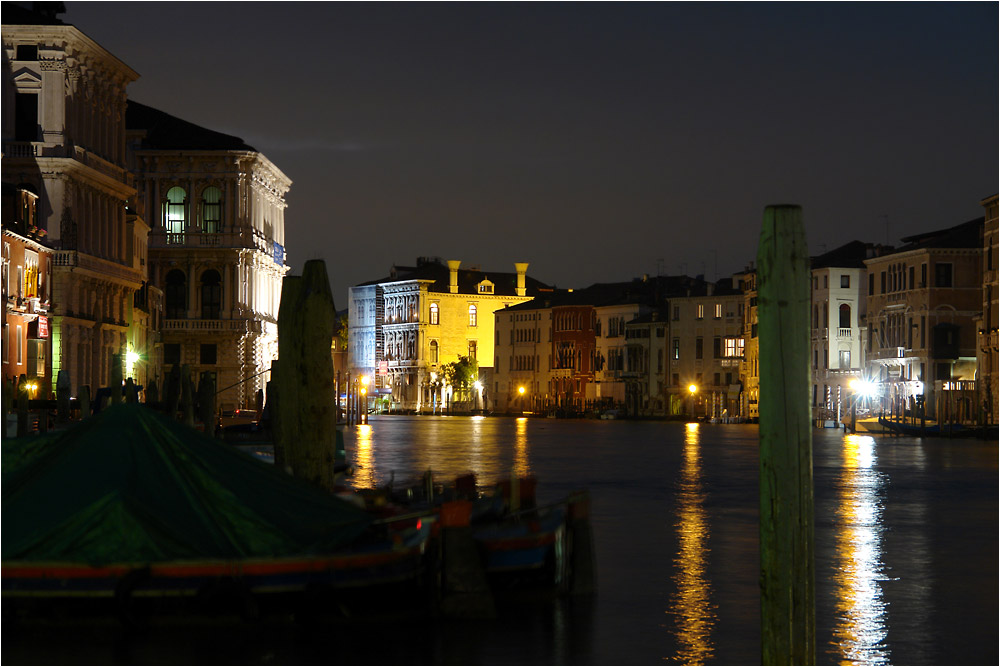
303, 409
787, 561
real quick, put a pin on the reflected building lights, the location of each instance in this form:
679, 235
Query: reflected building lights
861, 621
521, 466
364, 467
693, 612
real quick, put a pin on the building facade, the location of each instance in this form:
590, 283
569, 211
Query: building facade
986, 350
839, 329
404, 329
705, 350
216, 211
923, 303
64, 142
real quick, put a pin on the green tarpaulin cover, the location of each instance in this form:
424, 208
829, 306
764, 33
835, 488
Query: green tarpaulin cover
131, 486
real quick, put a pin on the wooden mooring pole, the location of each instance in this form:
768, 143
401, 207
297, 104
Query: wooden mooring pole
787, 562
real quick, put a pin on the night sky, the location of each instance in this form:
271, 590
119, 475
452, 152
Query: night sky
598, 142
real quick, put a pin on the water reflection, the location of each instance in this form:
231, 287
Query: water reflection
860, 629
693, 612
364, 458
521, 466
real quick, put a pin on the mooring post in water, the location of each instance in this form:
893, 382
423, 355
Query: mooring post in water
306, 409
787, 563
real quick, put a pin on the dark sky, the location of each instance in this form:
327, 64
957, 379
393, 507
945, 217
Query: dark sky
596, 141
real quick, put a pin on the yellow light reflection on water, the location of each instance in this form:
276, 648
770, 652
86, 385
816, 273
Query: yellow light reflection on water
861, 611
364, 459
521, 465
692, 609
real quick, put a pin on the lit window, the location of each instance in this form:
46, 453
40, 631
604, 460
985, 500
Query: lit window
734, 347
701, 311
718, 311
434, 313
434, 351
473, 317
173, 215
473, 349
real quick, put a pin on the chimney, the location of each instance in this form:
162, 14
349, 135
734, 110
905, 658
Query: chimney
453, 265
521, 268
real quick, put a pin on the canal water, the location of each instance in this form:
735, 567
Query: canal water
906, 555
906, 541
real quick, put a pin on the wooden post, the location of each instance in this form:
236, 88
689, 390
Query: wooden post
84, 401
115, 384
206, 402
788, 610
173, 394
152, 394
308, 415
62, 397
187, 396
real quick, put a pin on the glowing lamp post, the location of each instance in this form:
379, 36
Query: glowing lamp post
520, 391
364, 399
692, 391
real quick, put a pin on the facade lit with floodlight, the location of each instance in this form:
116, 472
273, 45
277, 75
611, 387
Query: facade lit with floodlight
216, 208
403, 329
64, 143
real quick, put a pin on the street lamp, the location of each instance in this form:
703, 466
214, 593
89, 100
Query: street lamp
692, 390
364, 399
520, 390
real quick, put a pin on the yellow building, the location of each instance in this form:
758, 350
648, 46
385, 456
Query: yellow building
403, 329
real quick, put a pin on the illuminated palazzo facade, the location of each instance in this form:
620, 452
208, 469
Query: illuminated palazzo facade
924, 300
216, 249
64, 146
405, 328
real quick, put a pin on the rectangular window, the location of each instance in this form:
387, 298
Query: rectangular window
473, 348
871, 284
26, 52
729, 378
677, 313
676, 347
883, 283
698, 347
716, 379
675, 379
826, 282
718, 311
942, 275
845, 281
716, 348
912, 284
171, 353
209, 353
700, 311
25, 117
923, 275
20, 345
845, 359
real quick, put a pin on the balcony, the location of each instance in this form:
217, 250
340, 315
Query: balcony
845, 334
207, 326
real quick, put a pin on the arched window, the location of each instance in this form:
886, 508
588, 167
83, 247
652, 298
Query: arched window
211, 210
845, 316
473, 318
434, 351
434, 313
174, 218
176, 295
211, 295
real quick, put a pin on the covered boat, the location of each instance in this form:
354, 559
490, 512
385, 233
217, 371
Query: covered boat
132, 502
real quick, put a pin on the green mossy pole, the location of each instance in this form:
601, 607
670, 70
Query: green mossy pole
307, 417
787, 563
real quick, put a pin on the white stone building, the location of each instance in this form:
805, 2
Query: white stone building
64, 140
216, 209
